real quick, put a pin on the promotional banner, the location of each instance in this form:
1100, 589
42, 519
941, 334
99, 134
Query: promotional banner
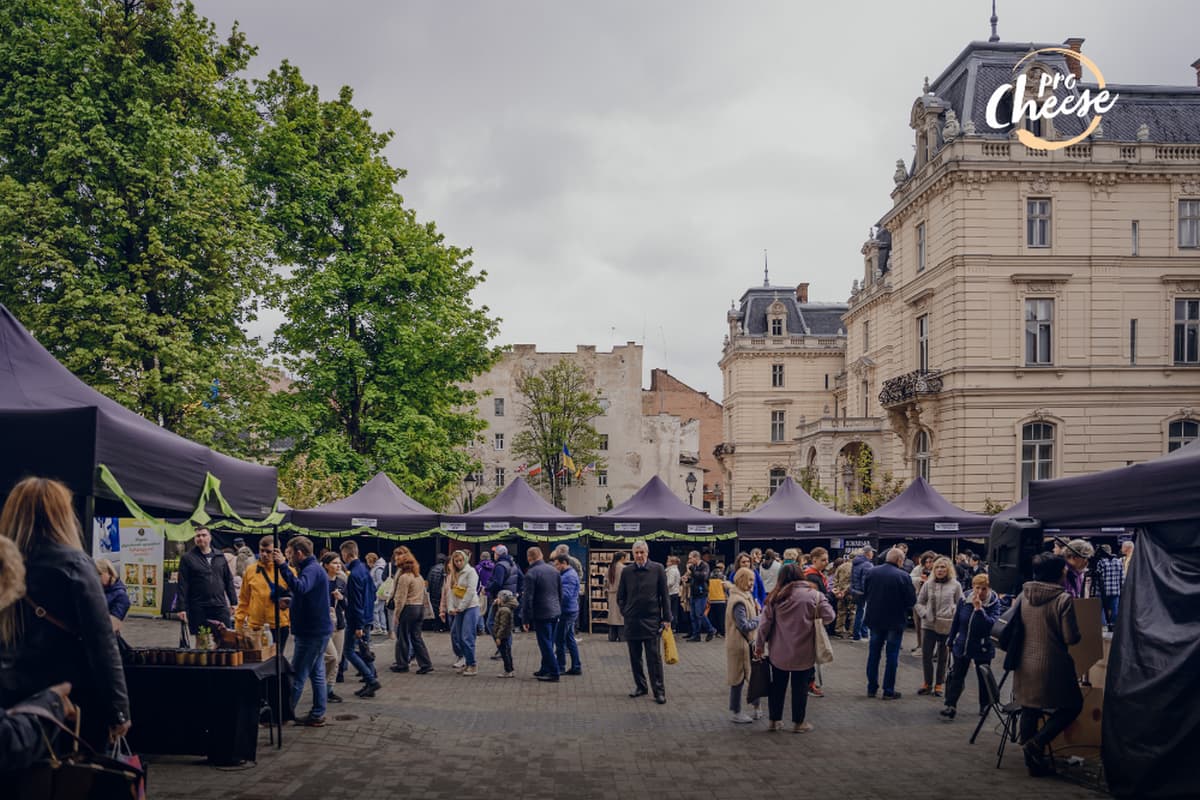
106, 539
141, 565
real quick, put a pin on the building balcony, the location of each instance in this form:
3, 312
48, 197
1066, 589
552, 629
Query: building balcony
910, 386
724, 449
835, 425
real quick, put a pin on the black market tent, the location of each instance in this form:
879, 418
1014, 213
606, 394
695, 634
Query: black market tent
53, 424
1021, 509
654, 512
919, 511
1151, 719
517, 511
792, 512
379, 508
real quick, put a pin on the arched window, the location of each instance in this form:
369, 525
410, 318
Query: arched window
1037, 453
777, 476
921, 450
1182, 432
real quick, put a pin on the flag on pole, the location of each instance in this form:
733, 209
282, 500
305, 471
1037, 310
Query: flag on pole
521, 469
568, 462
579, 473
536, 469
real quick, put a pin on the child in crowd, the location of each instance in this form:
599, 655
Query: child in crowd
502, 630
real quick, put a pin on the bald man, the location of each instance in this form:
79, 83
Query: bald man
889, 597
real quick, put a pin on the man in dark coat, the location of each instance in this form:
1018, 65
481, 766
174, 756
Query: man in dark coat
205, 584
890, 597
311, 624
541, 606
360, 616
646, 606
858, 577
437, 577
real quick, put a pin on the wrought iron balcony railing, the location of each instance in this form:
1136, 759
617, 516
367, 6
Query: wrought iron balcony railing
906, 388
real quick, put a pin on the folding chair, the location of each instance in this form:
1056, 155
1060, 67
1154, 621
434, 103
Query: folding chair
1009, 714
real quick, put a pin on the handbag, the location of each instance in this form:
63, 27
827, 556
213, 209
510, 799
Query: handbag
426, 606
459, 591
385, 590
670, 651
78, 774
824, 650
760, 680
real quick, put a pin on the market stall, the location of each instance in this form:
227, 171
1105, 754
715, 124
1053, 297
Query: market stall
792, 518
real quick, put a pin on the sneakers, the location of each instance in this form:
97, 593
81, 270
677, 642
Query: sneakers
757, 713
507, 675
333, 698
470, 671
803, 727
948, 713
708, 637
815, 691
574, 671
369, 689
425, 670
892, 696
459, 663
924, 689
741, 719
938, 691
311, 722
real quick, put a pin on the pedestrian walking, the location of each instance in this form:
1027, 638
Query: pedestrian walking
564, 633
858, 593
697, 579
461, 599
541, 607
889, 598
937, 604
612, 579
311, 624
741, 621
502, 629
674, 586
360, 617
410, 599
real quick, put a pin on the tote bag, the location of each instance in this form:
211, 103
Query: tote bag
824, 650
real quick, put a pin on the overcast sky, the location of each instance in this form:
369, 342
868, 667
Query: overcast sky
619, 167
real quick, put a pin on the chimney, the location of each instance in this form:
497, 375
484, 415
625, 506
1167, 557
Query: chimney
1075, 43
1196, 66
802, 293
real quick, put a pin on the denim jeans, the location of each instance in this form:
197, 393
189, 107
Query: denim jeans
308, 661
545, 639
350, 653
462, 633
700, 623
860, 627
892, 639
564, 641
1109, 609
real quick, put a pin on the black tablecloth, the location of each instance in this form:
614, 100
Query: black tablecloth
209, 711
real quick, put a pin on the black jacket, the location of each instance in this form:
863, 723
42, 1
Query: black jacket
698, 579
890, 597
542, 598
21, 741
64, 581
205, 580
643, 599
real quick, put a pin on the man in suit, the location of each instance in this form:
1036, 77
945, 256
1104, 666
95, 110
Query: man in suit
646, 606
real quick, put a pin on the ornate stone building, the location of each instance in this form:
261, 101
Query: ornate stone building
781, 358
1029, 313
1022, 313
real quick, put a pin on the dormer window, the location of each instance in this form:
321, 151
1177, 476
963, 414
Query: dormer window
776, 327
776, 319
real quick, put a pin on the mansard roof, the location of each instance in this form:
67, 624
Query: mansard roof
812, 319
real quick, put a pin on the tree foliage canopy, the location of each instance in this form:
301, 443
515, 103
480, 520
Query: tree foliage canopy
558, 407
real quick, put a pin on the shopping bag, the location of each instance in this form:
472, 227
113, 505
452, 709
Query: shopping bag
760, 679
824, 649
670, 651
122, 754
77, 775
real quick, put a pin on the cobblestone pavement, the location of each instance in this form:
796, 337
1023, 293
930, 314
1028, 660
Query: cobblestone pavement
443, 735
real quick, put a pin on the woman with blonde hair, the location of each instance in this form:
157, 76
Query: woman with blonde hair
741, 620
936, 606
61, 632
971, 641
116, 597
462, 606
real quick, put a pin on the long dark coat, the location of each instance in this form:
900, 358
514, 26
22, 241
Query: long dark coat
1046, 676
643, 599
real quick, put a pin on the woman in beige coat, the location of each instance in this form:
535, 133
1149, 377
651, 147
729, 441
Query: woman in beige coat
1045, 676
612, 580
937, 603
741, 620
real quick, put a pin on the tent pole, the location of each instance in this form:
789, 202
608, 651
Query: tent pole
278, 654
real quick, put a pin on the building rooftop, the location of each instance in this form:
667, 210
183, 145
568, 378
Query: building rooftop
804, 318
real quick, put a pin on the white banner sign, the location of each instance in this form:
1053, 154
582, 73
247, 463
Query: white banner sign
700, 528
627, 527
568, 526
945, 526
454, 526
364, 522
496, 526
808, 527
535, 526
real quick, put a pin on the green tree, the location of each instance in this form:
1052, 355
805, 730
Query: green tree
558, 406
810, 481
991, 507
875, 490
381, 334
131, 241
307, 482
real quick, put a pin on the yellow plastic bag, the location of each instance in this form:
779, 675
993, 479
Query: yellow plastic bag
670, 651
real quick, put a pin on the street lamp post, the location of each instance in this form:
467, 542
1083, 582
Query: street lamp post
690, 482
469, 483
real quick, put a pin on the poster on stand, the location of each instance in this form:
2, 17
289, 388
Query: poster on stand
141, 566
106, 540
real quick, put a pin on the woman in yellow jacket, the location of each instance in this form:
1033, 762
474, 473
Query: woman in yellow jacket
716, 599
256, 600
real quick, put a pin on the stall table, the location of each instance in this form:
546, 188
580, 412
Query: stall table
208, 711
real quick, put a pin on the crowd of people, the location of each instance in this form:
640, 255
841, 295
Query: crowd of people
61, 615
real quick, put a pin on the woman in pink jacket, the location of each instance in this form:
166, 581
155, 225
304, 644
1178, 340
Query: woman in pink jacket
787, 630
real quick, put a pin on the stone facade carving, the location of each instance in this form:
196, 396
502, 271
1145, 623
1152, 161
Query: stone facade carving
951, 129
901, 173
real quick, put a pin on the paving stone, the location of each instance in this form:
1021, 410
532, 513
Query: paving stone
443, 735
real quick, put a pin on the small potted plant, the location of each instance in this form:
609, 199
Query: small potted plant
204, 638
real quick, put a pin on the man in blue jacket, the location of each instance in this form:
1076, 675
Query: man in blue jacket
890, 597
564, 634
360, 615
541, 606
858, 577
311, 624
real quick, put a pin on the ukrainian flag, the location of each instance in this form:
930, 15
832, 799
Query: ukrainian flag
568, 462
